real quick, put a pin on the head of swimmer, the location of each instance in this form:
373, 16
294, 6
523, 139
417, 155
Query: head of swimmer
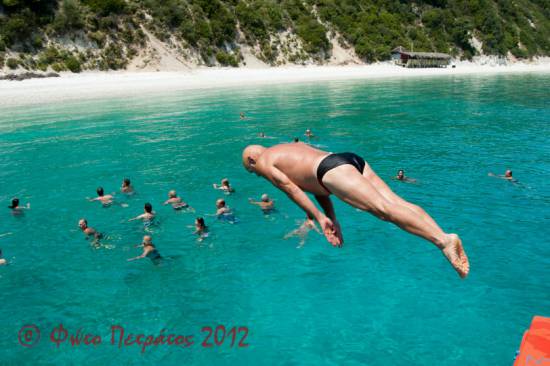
147, 240
225, 182
251, 154
508, 173
126, 182
83, 224
172, 194
14, 203
99, 191
148, 208
199, 223
265, 197
400, 174
220, 203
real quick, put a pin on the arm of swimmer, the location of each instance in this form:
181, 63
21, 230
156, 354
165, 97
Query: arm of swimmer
136, 218
143, 255
281, 181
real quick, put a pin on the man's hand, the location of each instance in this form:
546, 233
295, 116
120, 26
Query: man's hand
338, 232
331, 231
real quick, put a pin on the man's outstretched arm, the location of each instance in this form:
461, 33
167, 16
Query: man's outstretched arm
281, 181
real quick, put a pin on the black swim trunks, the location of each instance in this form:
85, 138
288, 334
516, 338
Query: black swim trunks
335, 160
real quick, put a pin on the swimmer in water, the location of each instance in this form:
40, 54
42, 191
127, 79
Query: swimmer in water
224, 213
309, 134
266, 203
105, 199
401, 177
224, 186
89, 231
299, 168
262, 135
126, 186
242, 116
296, 139
200, 228
149, 251
507, 175
176, 202
3, 262
222, 209
148, 214
16, 209
303, 231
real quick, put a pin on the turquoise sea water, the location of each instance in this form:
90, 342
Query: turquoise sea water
385, 298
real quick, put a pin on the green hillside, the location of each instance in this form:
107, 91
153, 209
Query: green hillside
106, 34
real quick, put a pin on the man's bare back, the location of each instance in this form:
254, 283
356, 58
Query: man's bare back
299, 163
298, 168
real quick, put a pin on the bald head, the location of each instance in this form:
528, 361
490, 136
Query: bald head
250, 156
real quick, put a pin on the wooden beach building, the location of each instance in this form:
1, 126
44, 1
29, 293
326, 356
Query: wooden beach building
405, 58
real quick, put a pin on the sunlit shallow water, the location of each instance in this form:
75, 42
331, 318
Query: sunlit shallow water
385, 298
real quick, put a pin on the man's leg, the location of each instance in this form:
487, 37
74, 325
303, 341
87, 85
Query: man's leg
386, 191
355, 189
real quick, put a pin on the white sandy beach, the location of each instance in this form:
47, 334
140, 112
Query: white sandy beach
91, 85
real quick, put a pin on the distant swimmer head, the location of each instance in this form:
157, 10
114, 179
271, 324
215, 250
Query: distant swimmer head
199, 223
147, 240
148, 207
99, 191
265, 197
83, 224
296, 139
262, 134
14, 203
220, 203
126, 182
508, 173
172, 194
400, 174
251, 154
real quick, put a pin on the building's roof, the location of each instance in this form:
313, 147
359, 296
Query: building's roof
411, 54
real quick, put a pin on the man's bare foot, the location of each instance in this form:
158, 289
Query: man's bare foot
455, 254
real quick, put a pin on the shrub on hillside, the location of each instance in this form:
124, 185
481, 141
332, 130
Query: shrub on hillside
73, 64
12, 63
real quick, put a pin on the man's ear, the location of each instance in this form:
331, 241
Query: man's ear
251, 161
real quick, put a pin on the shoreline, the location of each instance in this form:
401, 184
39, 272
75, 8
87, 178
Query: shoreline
115, 84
